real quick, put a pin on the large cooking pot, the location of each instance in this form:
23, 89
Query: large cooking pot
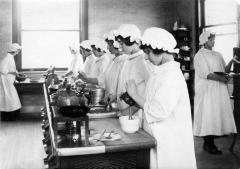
97, 96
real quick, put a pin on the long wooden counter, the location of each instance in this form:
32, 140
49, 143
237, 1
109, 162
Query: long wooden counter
31, 96
131, 151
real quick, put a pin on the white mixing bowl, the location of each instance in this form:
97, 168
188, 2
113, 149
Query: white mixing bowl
129, 126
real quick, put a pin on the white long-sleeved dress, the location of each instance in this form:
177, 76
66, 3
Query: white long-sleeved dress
167, 111
135, 67
102, 63
109, 78
213, 113
89, 67
9, 99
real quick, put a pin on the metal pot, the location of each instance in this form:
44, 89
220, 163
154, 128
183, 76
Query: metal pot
97, 95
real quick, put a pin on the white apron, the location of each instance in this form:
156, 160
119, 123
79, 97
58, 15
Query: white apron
213, 114
9, 99
167, 111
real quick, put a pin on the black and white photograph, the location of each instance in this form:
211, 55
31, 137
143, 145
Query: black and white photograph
119, 84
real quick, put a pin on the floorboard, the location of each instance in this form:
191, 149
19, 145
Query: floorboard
21, 145
21, 148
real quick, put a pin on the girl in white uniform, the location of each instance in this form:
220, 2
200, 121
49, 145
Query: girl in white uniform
135, 67
99, 48
166, 106
89, 67
213, 115
9, 99
76, 64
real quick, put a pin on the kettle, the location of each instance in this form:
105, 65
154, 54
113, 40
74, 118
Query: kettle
67, 97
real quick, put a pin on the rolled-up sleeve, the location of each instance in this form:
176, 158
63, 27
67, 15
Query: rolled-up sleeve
161, 106
201, 67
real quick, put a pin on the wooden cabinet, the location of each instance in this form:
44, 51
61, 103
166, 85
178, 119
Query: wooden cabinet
183, 43
185, 58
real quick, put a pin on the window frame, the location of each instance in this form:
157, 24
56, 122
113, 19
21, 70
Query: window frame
203, 21
17, 29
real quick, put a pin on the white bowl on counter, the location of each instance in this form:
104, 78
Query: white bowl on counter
129, 126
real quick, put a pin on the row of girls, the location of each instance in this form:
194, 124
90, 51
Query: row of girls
144, 66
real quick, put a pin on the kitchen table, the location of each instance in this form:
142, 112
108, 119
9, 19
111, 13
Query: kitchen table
31, 96
130, 151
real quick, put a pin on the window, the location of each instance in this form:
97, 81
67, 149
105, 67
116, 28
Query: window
220, 16
47, 28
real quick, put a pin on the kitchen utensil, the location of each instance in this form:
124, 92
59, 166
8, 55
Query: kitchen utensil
109, 136
108, 106
114, 136
130, 113
101, 135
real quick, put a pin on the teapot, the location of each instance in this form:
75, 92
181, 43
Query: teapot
67, 97
71, 103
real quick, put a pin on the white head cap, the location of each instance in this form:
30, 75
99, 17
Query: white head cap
86, 44
159, 38
203, 38
14, 47
75, 47
129, 30
111, 36
101, 44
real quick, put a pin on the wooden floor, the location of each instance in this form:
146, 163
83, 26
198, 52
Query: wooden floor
21, 148
21, 145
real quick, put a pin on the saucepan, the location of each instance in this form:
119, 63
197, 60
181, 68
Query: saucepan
97, 95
